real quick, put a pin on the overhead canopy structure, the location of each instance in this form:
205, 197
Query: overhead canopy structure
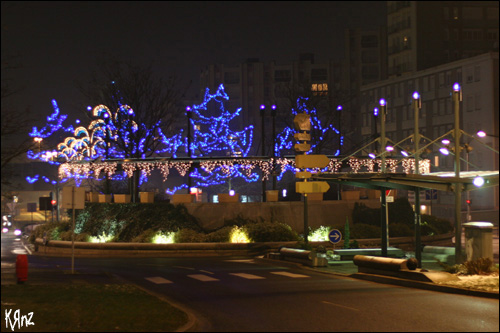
441, 181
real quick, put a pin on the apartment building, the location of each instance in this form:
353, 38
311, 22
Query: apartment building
479, 110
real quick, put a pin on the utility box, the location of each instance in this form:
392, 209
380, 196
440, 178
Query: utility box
478, 240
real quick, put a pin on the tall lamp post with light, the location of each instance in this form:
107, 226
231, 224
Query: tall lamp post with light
416, 140
384, 223
457, 98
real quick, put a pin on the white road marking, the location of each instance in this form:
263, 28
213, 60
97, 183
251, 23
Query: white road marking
247, 261
292, 275
342, 306
247, 276
208, 272
201, 277
158, 280
190, 268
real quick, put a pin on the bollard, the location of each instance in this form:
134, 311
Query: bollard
22, 268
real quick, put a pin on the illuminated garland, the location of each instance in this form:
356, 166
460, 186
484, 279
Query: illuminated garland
285, 140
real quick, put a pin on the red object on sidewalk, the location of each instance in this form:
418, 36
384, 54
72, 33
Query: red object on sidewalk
22, 268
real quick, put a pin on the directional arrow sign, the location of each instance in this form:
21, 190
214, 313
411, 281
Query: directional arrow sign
334, 236
302, 147
311, 187
302, 122
303, 174
311, 161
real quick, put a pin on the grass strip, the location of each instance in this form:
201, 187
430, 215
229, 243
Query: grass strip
88, 308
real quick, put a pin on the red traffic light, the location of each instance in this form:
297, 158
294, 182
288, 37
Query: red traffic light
53, 202
468, 202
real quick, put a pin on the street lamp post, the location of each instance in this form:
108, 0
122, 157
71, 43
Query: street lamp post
384, 223
416, 139
263, 148
188, 113
458, 187
273, 115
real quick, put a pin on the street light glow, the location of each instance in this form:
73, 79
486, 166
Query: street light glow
375, 112
444, 151
372, 155
456, 87
481, 134
382, 102
416, 95
478, 181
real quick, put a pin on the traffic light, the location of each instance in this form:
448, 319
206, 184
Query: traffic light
302, 122
468, 201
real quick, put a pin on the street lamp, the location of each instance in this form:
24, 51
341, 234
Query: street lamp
457, 98
189, 115
416, 140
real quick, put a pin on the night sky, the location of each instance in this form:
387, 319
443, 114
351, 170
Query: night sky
53, 44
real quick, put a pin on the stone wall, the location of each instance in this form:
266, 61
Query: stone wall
333, 213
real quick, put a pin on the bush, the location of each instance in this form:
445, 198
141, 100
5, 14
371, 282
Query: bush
362, 231
52, 230
400, 230
145, 237
481, 266
128, 221
189, 236
364, 215
436, 224
270, 232
219, 236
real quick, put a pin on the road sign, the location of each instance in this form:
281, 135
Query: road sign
334, 236
31, 207
303, 174
302, 147
431, 194
311, 161
311, 187
74, 200
302, 136
302, 122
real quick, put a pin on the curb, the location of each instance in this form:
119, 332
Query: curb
422, 285
398, 281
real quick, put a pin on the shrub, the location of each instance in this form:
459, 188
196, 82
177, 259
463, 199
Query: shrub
145, 237
188, 236
400, 230
436, 224
364, 215
52, 230
270, 232
481, 266
362, 231
320, 234
219, 236
401, 212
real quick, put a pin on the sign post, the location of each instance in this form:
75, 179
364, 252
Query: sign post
73, 198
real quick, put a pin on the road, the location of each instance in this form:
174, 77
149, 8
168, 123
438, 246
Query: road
237, 294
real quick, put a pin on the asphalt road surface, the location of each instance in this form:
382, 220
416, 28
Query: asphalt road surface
237, 294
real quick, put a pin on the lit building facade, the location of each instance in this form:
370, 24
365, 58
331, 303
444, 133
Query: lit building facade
479, 110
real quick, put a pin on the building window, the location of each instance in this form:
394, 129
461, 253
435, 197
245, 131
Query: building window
319, 74
282, 76
231, 77
477, 73
319, 89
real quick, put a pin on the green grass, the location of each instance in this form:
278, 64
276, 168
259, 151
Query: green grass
94, 308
